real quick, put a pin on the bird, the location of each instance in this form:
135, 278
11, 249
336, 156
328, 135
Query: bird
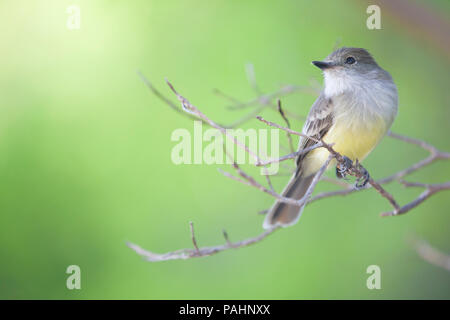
354, 111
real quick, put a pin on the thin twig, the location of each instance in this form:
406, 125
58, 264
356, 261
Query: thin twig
280, 110
273, 124
251, 78
225, 235
384, 193
291, 155
158, 94
194, 241
430, 189
205, 251
339, 183
266, 99
429, 253
190, 108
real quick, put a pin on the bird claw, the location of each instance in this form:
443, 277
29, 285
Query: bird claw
362, 181
342, 168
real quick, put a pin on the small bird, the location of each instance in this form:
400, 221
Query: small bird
354, 111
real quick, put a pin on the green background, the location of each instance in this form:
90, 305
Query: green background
85, 152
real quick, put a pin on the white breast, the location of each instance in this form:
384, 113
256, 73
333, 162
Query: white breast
361, 100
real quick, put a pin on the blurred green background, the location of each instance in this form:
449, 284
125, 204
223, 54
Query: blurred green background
85, 152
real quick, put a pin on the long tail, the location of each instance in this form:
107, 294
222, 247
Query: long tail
285, 214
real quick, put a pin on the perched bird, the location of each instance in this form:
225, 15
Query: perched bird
353, 112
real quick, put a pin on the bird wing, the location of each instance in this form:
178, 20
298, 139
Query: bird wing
318, 122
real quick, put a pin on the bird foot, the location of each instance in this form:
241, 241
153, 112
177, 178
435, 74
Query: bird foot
342, 168
363, 179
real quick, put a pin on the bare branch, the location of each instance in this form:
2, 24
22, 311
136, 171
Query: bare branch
429, 253
246, 118
266, 99
273, 124
225, 235
430, 189
280, 110
194, 241
384, 193
251, 78
356, 170
435, 155
262, 100
269, 182
226, 96
190, 108
291, 155
339, 183
205, 251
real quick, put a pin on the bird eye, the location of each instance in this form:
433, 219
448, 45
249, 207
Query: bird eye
350, 60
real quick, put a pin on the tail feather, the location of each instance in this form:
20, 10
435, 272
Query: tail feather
285, 214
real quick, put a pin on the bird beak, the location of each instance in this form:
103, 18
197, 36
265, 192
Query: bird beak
322, 65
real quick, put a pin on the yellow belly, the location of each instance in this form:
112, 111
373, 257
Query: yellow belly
352, 141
